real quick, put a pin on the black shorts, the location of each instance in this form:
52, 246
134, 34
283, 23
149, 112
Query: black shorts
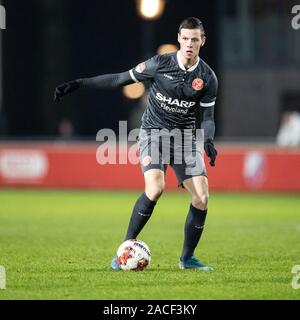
159, 148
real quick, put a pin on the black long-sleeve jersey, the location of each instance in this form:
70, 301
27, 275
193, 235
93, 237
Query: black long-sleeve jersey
175, 92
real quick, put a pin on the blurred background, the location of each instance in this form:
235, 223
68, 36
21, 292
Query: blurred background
251, 45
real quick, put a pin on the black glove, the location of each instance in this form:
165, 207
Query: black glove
65, 88
211, 152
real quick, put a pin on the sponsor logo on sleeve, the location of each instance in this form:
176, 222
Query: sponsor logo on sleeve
141, 67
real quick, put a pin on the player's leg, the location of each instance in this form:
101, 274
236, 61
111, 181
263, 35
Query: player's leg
154, 185
144, 206
191, 175
198, 188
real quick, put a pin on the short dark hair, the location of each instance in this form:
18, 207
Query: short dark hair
191, 23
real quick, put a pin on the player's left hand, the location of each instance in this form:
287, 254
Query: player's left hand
211, 152
65, 88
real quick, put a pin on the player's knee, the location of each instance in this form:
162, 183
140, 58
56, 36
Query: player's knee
200, 201
154, 192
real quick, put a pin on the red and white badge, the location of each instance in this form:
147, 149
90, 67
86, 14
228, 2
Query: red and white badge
141, 67
197, 84
146, 161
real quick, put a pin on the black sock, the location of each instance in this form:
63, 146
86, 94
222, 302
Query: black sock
193, 228
141, 214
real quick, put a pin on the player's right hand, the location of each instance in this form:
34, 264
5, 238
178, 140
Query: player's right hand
65, 88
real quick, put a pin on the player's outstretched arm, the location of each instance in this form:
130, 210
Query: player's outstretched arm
66, 88
208, 124
99, 82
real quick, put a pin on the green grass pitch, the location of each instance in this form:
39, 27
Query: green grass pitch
59, 244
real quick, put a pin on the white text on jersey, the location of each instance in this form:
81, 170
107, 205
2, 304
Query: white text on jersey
176, 102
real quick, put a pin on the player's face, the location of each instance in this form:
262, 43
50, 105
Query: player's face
190, 40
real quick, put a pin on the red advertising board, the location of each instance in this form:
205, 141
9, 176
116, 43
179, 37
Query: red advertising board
238, 168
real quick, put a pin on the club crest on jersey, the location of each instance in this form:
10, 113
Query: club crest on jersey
197, 84
141, 67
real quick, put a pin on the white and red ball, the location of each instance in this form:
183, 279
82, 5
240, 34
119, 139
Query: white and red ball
133, 255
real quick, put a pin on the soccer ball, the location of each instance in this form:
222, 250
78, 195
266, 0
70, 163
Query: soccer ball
133, 255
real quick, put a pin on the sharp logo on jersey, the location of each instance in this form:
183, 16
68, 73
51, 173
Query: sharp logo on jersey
176, 102
141, 67
198, 84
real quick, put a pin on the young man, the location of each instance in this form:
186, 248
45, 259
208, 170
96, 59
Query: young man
180, 83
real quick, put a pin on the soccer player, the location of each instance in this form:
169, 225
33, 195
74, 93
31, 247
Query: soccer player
181, 82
